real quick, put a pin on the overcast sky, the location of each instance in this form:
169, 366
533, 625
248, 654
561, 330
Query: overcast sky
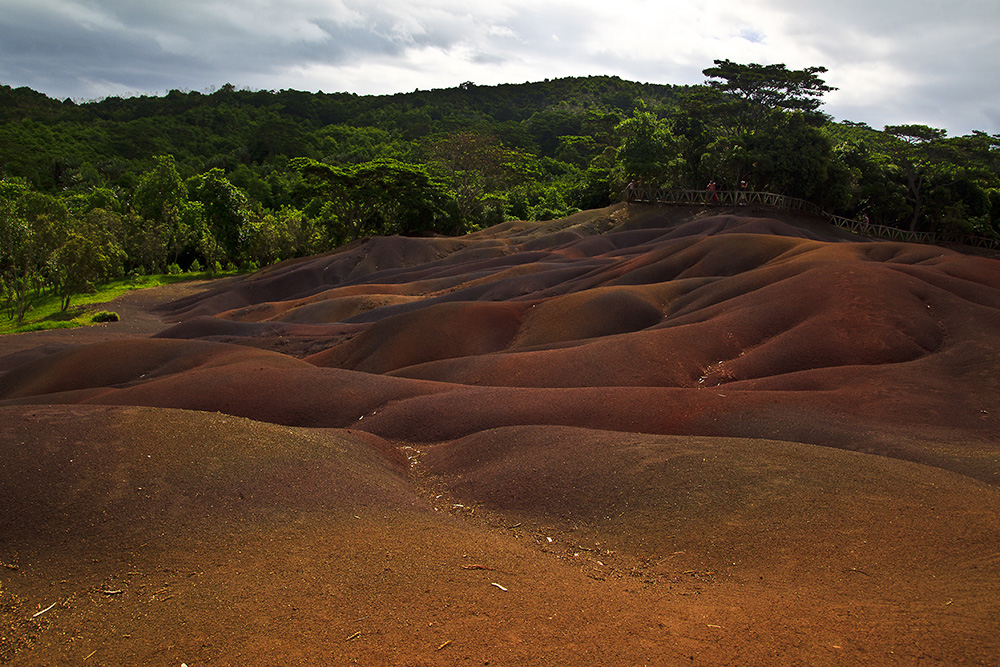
935, 62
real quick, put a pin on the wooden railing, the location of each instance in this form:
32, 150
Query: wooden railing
781, 202
866, 228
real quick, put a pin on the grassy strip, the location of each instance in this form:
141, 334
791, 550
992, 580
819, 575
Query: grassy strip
46, 310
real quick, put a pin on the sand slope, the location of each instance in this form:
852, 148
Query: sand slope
638, 435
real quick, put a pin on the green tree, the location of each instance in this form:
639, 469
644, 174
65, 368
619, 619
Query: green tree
647, 152
760, 90
82, 262
796, 160
760, 124
380, 197
144, 245
17, 252
281, 235
479, 168
31, 228
160, 199
915, 157
413, 202
914, 176
225, 209
710, 143
160, 192
595, 187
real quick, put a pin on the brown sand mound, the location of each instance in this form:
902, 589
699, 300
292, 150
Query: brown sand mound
297, 279
899, 334
120, 363
723, 498
68, 489
640, 435
447, 330
737, 508
233, 379
216, 539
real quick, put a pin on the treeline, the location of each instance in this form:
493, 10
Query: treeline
236, 178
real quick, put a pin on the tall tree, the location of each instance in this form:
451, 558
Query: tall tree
225, 209
85, 258
477, 166
17, 250
913, 156
32, 225
160, 199
380, 197
647, 151
759, 123
762, 89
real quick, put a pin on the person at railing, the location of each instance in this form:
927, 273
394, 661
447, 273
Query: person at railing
713, 196
743, 193
630, 191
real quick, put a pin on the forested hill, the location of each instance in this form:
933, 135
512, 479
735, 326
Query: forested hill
190, 180
47, 141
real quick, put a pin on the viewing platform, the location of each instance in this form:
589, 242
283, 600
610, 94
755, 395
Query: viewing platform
731, 198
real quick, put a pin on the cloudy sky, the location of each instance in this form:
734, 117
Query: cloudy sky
935, 62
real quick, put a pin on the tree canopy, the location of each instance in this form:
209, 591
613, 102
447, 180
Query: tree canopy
243, 178
769, 86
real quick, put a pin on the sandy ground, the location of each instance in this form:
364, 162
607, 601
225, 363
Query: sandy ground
138, 310
636, 436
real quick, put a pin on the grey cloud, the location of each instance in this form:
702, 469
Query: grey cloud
151, 48
60, 57
484, 58
940, 59
947, 53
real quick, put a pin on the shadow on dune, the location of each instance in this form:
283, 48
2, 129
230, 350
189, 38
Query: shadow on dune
618, 320
671, 422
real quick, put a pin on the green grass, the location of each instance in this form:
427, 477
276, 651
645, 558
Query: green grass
46, 312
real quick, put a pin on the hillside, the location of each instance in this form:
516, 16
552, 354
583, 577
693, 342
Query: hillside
636, 435
56, 145
105, 190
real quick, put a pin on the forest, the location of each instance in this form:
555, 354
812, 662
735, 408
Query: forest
239, 179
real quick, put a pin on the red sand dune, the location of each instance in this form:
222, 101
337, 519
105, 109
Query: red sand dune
639, 435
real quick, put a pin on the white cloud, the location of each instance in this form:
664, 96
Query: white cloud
893, 60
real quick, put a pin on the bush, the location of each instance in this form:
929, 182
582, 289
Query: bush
105, 316
195, 267
174, 269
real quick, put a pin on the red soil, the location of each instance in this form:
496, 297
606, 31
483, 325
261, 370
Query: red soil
633, 436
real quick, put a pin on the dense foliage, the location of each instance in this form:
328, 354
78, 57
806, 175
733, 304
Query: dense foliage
196, 181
